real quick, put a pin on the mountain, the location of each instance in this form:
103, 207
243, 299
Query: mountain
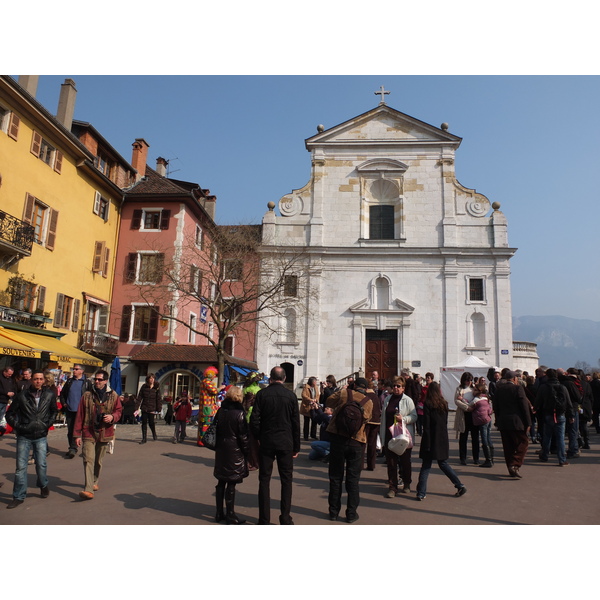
561, 341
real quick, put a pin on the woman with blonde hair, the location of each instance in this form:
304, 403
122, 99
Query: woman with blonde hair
231, 454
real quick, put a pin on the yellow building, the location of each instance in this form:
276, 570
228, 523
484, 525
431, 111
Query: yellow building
60, 197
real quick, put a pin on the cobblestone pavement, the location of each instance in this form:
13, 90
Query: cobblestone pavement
163, 483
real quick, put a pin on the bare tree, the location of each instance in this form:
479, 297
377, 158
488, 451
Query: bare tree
229, 283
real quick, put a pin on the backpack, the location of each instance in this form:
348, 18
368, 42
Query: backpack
559, 400
350, 417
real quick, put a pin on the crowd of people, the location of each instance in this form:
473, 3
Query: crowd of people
348, 427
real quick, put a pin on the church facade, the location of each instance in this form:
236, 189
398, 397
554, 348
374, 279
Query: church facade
405, 266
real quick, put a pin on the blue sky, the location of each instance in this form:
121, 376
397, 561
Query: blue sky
529, 142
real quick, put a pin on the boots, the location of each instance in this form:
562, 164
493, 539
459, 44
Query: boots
488, 457
220, 516
231, 517
143, 438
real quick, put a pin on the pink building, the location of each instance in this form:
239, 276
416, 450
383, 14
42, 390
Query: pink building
161, 220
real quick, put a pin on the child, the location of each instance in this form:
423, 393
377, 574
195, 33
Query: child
182, 411
481, 411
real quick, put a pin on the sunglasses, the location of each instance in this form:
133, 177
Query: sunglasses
99, 379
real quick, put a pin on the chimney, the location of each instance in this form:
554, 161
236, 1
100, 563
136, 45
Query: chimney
29, 83
161, 166
139, 157
210, 205
66, 103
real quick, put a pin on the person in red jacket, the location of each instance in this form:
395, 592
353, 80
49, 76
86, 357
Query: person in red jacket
182, 411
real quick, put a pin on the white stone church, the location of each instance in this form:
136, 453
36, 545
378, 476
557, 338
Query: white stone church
408, 268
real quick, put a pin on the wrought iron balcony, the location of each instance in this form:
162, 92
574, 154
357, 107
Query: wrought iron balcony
98, 343
16, 236
13, 315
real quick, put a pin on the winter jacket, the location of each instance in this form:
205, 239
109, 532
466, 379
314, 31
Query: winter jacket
88, 386
149, 399
407, 410
462, 406
481, 411
511, 408
323, 421
27, 419
7, 384
434, 441
544, 400
337, 400
88, 421
182, 409
232, 443
307, 398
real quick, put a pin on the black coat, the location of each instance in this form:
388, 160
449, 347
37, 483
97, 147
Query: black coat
29, 420
232, 443
511, 408
434, 441
275, 419
149, 398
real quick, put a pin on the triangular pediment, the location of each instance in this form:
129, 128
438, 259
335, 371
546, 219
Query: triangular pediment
383, 125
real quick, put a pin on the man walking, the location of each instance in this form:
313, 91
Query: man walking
275, 423
347, 447
8, 390
70, 397
31, 414
97, 414
511, 408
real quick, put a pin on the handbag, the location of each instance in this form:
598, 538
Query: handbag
209, 439
401, 439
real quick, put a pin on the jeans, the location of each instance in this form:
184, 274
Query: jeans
485, 431
447, 470
70, 418
573, 434
180, 431
348, 455
318, 449
462, 440
24, 446
556, 429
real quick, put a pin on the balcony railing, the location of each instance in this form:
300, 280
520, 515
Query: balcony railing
525, 348
12, 315
16, 234
98, 343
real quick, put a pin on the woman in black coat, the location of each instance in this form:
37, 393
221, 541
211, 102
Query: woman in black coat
231, 453
434, 442
149, 402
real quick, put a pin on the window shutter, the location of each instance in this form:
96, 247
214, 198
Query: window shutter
125, 323
130, 268
28, 211
136, 221
41, 297
165, 217
58, 311
153, 326
97, 199
105, 266
76, 310
36, 144
51, 238
98, 255
103, 319
13, 126
58, 160
159, 268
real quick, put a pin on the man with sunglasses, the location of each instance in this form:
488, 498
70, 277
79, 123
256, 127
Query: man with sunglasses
98, 412
70, 397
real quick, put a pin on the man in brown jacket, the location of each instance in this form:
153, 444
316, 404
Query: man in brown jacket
347, 451
98, 412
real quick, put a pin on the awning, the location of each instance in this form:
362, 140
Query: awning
11, 348
241, 370
59, 351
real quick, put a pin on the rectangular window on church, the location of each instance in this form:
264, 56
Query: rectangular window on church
476, 289
381, 222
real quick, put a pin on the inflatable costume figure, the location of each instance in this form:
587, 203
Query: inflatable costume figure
208, 404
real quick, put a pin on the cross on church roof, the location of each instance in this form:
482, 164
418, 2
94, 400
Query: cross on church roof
382, 92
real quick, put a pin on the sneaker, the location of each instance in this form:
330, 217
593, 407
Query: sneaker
44, 492
420, 498
390, 493
461, 491
565, 464
15, 503
86, 495
405, 490
174, 441
95, 488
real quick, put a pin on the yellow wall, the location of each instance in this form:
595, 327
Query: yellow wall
68, 268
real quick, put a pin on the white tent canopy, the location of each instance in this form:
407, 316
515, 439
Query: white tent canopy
450, 376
